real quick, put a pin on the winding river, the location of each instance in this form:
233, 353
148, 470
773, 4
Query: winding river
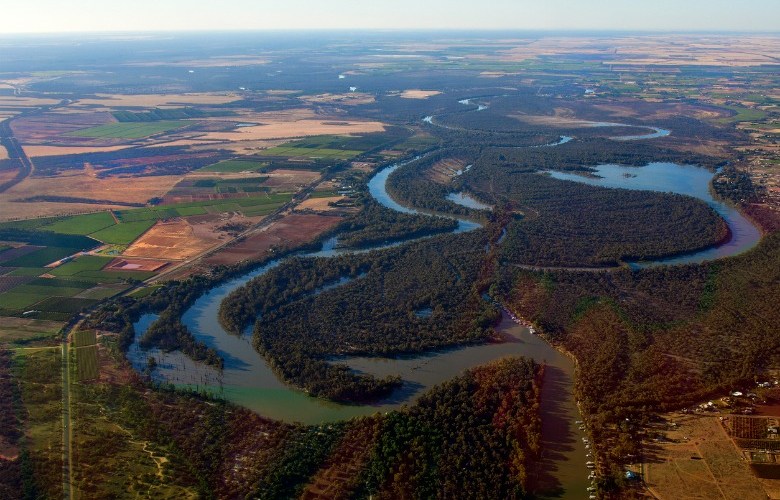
248, 380
681, 179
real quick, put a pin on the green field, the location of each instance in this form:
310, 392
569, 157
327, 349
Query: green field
80, 264
82, 338
235, 166
87, 362
326, 147
254, 205
124, 233
743, 115
81, 224
17, 301
42, 257
128, 130
285, 151
64, 304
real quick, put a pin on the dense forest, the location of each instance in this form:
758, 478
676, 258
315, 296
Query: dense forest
655, 339
569, 224
375, 224
373, 314
476, 436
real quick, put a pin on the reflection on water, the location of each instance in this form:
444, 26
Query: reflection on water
681, 179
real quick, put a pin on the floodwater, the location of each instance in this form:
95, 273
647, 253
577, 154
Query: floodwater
468, 201
681, 179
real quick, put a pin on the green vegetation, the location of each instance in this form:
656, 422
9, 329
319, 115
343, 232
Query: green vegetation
42, 257
321, 147
478, 434
299, 328
123, 233
80, 264
81, 224
742, 114
251, 205
128, 130
230, 166
158, 114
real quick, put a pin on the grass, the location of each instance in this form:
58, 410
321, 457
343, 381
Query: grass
26, 329
17, 300
124, 233
64, 304
743, 115
80, 264
326, 147
87, 363
262, 204
42, 257
81, 224
104, 291
128, 130
235, 166
305, 152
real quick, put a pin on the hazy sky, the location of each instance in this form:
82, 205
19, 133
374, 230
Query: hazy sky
160, 15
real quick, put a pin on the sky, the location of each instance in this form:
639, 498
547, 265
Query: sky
49, 16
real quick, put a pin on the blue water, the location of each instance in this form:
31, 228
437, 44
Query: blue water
681, 179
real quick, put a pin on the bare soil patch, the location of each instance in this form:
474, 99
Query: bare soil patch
49, 128
80, 184
136, 265
38, 150
289, 180
292, 230
444, 170
174, 240
319, 204
418, 94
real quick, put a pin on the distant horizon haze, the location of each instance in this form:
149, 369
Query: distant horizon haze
90, 16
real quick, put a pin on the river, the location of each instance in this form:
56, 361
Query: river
248, 380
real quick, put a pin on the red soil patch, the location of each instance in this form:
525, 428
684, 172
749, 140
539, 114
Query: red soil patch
136, 265
291, 231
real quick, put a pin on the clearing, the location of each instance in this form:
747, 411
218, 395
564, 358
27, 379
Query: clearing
697, 459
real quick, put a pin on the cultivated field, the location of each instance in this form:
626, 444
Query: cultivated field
80, 184
319, 204
290, 231
157, 100
174, 240
128, 130
38, 150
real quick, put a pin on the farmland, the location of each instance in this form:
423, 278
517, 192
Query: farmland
239, 165
128, 130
